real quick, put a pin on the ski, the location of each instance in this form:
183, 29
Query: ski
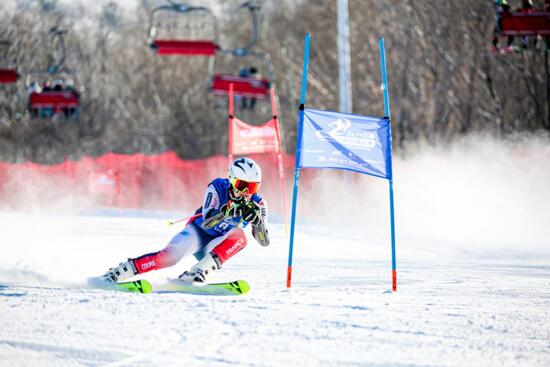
136, 286
235, 288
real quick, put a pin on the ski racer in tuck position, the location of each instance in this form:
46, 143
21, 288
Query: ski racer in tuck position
215, 233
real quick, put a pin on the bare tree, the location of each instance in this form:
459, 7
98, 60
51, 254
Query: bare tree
443, 80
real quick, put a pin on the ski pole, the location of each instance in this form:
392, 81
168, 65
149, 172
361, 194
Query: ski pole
170, 223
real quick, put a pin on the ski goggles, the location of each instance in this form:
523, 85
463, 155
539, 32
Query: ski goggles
245, 187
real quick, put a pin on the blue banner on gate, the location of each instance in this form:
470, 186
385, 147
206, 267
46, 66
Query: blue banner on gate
352, 142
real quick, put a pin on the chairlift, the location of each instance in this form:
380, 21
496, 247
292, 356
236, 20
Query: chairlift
253, 10
57, 63
246, 85
249, 86
54, 96
170, 43
7, 75
57, 101
525, 23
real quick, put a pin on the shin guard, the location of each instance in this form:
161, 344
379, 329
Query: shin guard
229, 247
156, 260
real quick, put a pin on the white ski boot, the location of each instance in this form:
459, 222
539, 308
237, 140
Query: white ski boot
123, 271
200, 270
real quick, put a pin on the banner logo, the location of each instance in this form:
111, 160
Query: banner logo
259, 132
342, 134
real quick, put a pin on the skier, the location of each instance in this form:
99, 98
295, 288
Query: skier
215, 233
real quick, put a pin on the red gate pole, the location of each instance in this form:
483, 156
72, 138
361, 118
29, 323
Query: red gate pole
279, 158
230, 125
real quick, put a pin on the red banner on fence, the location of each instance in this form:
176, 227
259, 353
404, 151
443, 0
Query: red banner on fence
249, 139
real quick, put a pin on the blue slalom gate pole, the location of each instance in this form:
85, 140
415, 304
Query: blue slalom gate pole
387, 114
298, 159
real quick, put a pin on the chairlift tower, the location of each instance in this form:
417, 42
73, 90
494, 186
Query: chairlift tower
344, 63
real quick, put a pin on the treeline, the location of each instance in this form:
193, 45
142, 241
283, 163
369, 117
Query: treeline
443, 80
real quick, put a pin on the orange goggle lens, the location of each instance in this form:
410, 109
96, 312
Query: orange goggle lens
245, 187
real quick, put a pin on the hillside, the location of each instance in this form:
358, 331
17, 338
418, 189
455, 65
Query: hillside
443, 80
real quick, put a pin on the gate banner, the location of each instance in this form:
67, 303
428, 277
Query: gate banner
248, 139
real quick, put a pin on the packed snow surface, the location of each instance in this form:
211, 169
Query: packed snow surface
473, 265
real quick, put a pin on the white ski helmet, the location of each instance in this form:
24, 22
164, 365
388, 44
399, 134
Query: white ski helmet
245, 175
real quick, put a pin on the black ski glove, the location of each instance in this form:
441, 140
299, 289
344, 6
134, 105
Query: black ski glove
229, 209
260, 234
251, 212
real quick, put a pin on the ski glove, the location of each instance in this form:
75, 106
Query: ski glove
214, 217
260, 234
230, 209
251, 213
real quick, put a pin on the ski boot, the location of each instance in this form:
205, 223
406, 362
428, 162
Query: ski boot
123, 271
200, 270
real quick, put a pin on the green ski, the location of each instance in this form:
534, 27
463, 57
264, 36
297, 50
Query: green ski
137, 286
235, 288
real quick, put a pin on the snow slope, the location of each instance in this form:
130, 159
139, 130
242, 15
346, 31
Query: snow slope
473, 275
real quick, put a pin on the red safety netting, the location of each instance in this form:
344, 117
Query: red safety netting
162, 181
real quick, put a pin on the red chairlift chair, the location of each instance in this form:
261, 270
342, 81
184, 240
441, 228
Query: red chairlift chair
55, 100
249, 87
183, 47
525, 24
8, 76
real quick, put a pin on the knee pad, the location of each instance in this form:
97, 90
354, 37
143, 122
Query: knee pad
229, 247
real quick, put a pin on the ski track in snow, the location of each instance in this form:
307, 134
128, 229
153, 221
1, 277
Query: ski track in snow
453, 307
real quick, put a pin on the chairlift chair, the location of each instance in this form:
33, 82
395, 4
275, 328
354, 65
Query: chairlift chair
525, 24
7, 75
56, 100
245, 86
248, 87
47, 103
173, 45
